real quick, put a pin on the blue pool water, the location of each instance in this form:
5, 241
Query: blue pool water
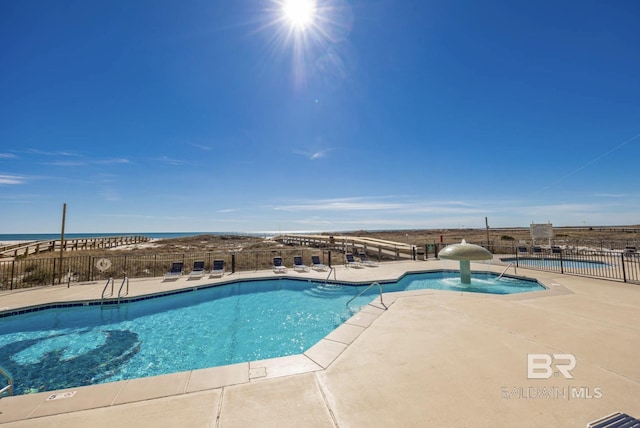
555, 263
244, 321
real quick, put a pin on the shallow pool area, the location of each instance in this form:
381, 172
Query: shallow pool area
203, 327
481, 282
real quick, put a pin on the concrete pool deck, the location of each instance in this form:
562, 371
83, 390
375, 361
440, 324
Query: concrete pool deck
434, 358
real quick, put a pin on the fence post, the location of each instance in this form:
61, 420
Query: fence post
329, 258
13, 265
624, 272
561, 264
233, 263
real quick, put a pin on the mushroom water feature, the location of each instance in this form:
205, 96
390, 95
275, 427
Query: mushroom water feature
465, 253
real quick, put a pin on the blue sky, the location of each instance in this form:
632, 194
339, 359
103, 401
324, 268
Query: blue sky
154, 116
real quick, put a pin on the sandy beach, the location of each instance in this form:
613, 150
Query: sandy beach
7, 243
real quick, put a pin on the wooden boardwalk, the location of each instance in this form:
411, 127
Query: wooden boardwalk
24, 249
352, 244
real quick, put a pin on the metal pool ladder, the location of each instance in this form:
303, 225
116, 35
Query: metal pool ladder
104, 290
112, 282
9, 388
363, 291
125, 280
507, 268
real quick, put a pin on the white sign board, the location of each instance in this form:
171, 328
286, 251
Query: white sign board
103, 264
541, 231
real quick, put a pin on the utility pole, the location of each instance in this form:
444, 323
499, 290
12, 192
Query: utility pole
64, 215
486, 222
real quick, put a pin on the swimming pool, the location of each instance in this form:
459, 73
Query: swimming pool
557, 263
67, 347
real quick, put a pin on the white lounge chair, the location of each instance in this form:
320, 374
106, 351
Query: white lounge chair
175, 272
198, 269
278, 267
316, 264
351, 261
298, 264
365, 260
218, 268
617, 419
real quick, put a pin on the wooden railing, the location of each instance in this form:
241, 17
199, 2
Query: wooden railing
352, 244
35, 247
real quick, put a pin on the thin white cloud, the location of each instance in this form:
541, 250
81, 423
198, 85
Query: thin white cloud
86, 162
150, 217
232, 220
66, 163
338, 206
367, 204
11, 179
442, 207
402, 212
610, 195
318, 155
171, 161
7, 156
201, 147
313, 155
58, 153
315, 222
568, 208
111, 195
111, 161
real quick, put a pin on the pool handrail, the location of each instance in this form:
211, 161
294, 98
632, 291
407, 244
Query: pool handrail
110, 280
507, 268
125, 279
9, 387
331, 269
363, 291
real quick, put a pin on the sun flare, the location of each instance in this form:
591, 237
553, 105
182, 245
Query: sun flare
299, 13
309, 32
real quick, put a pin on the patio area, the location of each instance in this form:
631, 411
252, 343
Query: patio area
434, 358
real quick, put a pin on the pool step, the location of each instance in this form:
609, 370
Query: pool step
325, 291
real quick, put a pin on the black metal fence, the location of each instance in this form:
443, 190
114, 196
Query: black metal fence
24, 273
614, 265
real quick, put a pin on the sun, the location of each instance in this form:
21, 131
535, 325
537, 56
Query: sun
308, 32
299, 13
